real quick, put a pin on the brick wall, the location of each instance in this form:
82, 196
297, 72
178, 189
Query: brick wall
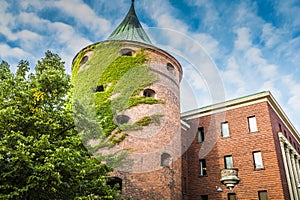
241, 144
146, 178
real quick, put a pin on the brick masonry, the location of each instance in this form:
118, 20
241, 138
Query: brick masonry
241, 144
147, 179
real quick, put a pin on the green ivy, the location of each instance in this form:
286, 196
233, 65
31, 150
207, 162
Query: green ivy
122, 78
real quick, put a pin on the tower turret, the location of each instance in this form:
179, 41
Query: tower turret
130, 29
128, 96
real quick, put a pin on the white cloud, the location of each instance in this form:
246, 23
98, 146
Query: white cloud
293, 99
211, 13
58, 37
271, 86
7, 20
34, 3
270, 35
243, 40
5, 17
31, 19
13, 52
294, 90
29, 40
290, 11
233, 75
84, 14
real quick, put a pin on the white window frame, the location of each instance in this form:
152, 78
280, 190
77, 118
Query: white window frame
252, 124
225, 129
257, 159
228, 161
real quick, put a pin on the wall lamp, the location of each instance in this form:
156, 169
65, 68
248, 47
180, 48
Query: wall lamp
219, 189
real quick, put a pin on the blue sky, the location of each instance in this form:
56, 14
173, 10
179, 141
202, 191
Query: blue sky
249, 46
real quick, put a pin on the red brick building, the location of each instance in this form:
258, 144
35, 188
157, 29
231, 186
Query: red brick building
249, 143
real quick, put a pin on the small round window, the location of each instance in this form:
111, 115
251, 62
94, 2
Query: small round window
149, 93
165, 160
126, 52
99, 88
122, 119
84, 60
170, 67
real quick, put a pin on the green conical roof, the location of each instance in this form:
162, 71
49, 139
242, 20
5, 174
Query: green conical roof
130, 29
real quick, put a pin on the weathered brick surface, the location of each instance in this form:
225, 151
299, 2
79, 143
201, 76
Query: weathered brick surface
241, 144
147, 179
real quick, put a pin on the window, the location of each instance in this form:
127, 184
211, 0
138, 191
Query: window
200, 134
99, 88
204, 197
122, 119
263, 195
170, 67
228, 162
166, 160
258, 163
225, 129
149, 93
84, 60
115, 182
280, 129
252, 124
232, 196
126, 52
184, 185
202, 167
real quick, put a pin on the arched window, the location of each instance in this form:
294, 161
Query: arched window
84, 60
115, 182
122, 119
165, 160
170, 67
149, 93
126, 52
99, 88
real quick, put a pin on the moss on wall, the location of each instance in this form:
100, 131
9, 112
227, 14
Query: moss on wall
120, 79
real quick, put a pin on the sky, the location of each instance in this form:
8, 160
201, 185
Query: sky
227, 49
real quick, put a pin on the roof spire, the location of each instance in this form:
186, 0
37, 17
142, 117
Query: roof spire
130, 28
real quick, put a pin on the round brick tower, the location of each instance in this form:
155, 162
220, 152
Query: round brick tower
126, 97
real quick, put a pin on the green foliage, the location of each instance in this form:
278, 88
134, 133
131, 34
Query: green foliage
122, 79
134, 101
144, 121
41, 154
77, 62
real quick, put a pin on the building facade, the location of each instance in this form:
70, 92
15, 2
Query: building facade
253, 149
240, 149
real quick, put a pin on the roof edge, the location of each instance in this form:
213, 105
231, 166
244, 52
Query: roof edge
265, 96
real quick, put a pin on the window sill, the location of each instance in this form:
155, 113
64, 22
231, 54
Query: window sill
253, 132
225, 137
259, 169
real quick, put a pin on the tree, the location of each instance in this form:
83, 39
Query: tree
41, 154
